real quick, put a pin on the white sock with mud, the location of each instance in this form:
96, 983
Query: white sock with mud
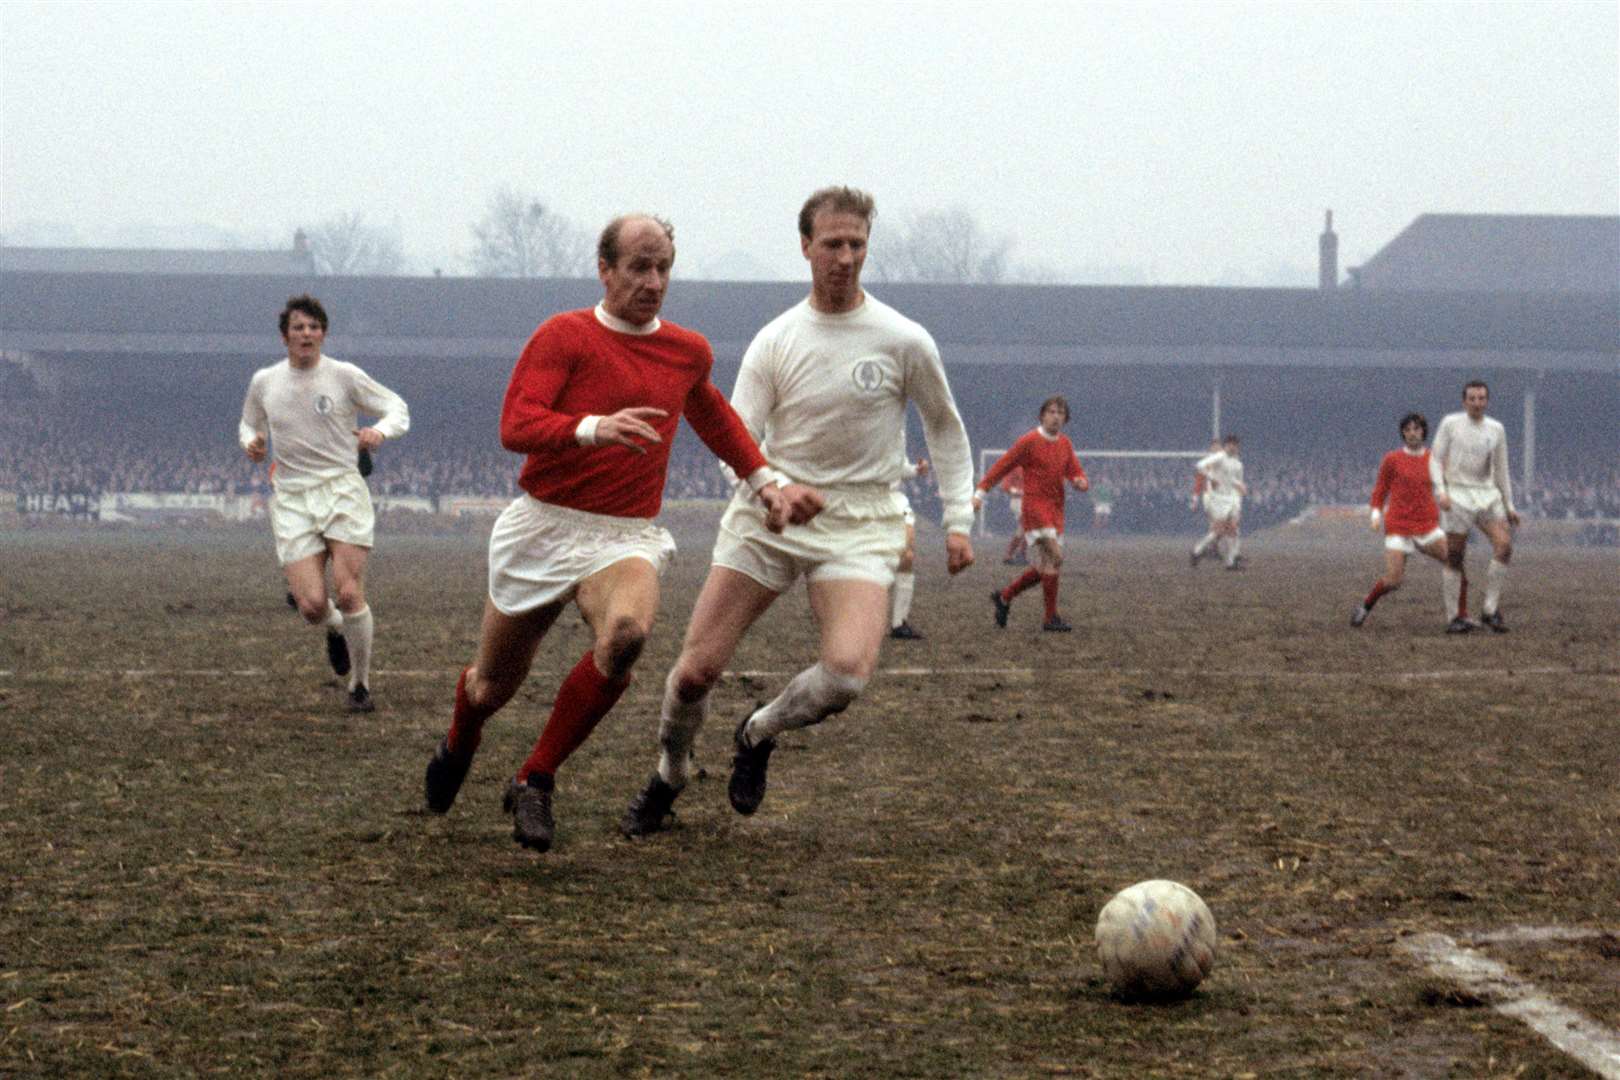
813, 695
678, 725
357, 629
334, 618
905, 584
1495, 578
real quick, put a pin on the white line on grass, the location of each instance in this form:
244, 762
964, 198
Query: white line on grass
1576, 1034
58, 674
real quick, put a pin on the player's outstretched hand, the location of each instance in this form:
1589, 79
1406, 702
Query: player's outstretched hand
626, 426
255, 449
803, 502
958, 552
369, 438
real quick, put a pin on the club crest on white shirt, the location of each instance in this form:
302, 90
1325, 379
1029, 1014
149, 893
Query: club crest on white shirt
323, 404
867, 376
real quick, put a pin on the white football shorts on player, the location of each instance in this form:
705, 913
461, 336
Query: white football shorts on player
1411, 545
539, 552
1472, 506
1222, 507
303, 520
833, 546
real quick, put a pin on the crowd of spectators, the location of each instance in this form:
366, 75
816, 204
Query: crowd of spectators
95, 445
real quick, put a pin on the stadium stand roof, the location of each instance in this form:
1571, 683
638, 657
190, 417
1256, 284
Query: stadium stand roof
1571, 253
85, 260
467, 318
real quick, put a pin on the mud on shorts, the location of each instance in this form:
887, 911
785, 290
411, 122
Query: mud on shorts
303, 520
832, 547
540, 552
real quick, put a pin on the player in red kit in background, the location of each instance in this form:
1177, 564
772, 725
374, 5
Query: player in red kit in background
1403, 503
1047, 458
594, 402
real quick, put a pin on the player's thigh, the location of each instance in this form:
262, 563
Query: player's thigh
1049, 550
729, 603
507, 643
1497, 532
348, 564
853, 617
620, 598
306, 578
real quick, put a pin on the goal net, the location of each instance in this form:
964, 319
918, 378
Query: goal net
1099, 465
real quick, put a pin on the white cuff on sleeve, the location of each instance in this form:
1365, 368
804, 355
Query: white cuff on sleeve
585, 434
761, 477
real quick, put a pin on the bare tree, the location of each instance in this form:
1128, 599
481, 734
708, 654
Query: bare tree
942, 245
520, 237
348, 244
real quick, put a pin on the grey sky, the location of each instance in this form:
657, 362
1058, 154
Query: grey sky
1167, 143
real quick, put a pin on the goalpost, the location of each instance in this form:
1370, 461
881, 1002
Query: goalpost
989, 457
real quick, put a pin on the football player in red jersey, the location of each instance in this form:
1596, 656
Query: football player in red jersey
1403, 504
593, 404
1047, 458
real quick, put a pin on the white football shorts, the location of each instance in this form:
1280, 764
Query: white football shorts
1470, 507
832, 547
1411, 545
539, 552
303, 520
1222, 507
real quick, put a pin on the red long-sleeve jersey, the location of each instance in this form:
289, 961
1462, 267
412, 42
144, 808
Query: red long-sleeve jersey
574, 367
1403, 480
1046, 464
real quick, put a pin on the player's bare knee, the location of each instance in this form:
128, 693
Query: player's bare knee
618, 650
1503, 552
313, 609
694, 678
492, 691
351, 596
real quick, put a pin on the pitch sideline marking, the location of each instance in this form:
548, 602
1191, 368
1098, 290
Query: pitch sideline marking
902, 672
1576, 1034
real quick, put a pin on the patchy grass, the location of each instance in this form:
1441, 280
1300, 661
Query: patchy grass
211, 868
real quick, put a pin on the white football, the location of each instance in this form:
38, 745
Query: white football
1155, 938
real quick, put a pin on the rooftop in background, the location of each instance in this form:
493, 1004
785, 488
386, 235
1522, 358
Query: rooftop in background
293, 260
1519, 253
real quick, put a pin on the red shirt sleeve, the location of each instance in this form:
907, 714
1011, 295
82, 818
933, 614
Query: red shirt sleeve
528, 421
722, 430
1005, 464
1380, 492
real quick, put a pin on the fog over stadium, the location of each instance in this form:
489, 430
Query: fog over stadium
1161, 144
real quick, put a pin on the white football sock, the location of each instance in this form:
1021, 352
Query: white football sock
678, 724
1495, 577
334, 617
357, 629
905, 584
809, 698
1209, 540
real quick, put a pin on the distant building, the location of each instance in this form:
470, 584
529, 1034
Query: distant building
1498, 253
291, 261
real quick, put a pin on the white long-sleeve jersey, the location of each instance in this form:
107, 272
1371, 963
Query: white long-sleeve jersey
1466, 453
1223, 471
825, 396
310, 415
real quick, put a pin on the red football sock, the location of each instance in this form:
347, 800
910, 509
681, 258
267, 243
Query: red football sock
467, 722
1049, 589
1024, 581
1378, 589
582, 700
